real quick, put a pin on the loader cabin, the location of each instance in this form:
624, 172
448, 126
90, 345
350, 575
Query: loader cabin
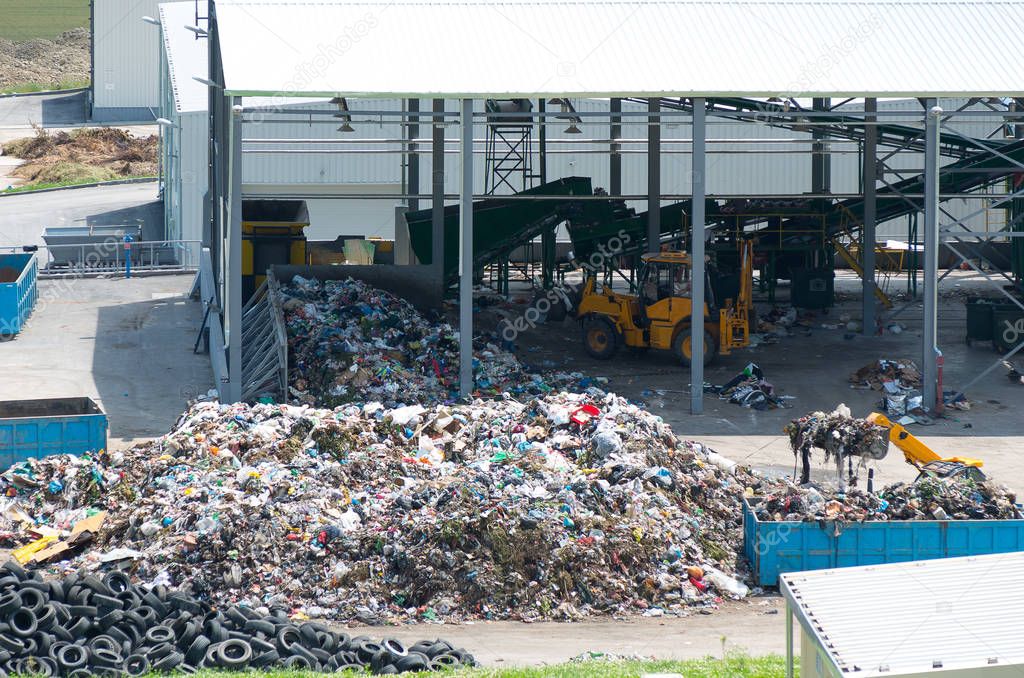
658, 317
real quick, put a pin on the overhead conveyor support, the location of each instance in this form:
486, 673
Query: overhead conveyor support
499, 224
838, 125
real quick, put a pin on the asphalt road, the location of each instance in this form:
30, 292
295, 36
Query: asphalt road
23, 217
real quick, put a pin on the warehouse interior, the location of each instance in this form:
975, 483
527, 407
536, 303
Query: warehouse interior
914, 164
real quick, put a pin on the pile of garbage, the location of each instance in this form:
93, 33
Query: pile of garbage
567, 505
350, 342
750, 389
927, 499
87, 625
900, 383
838, 434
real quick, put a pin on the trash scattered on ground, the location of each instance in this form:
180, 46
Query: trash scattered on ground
749, 389
564, 506
900, 383
90, 625
956, 400
877, 374
351, 342
926, 499
838, 434
1012, 373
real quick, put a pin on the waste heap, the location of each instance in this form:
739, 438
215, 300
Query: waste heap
927, 499
899, 381
567, 505
749, 388
85, 625
837, 434
351, 342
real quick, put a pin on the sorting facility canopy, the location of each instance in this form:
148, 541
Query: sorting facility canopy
878, 48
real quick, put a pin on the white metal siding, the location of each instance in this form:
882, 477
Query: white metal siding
127, 55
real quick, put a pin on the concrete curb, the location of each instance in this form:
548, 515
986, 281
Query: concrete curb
12, 95
136, 180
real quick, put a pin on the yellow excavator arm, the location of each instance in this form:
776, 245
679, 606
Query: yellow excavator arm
914, 451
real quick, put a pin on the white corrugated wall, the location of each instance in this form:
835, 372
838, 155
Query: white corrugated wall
126, 53
355, 172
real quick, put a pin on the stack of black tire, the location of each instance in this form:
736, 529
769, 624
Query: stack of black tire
85, 625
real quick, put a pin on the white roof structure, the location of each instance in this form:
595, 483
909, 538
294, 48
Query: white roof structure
604, 48
916, 617
187, 56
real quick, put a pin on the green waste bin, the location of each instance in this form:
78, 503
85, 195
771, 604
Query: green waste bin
979, 319
1007, 327
813, 288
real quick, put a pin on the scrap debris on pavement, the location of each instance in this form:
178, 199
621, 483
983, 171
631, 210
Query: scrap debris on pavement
899, 381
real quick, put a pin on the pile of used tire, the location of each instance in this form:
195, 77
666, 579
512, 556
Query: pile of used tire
84, 625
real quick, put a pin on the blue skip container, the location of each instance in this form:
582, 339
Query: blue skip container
18, 294
777, 547
39, 428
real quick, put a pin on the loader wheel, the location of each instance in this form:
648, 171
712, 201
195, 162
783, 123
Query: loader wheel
681, 346
599, 338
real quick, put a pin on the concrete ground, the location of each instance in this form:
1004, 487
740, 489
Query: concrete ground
755, 626
127, 344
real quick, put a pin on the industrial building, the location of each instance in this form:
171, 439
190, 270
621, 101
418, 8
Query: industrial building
849, 52
125, 57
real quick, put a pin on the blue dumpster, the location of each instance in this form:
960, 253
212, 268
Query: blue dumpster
18, 273
38, 428
777, 547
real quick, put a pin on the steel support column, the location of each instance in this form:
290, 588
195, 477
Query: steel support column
789, 640
614, 159
233, 275
412, 157
653, 175
929, 352
697, 189
870, 176
542, 139
821, 158
437, 187
466, 253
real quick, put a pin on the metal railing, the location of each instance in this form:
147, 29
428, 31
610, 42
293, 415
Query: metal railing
109, 256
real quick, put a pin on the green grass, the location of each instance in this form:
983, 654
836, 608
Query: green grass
29, 87
28, 188
734, 666
29, 19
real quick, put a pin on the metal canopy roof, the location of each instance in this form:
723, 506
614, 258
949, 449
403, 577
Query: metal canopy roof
915, 617
186, 56
883, 48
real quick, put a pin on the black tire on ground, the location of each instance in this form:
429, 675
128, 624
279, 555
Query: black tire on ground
600, 340
681, 346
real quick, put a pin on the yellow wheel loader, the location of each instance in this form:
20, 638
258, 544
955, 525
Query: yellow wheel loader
660, 315
928, 463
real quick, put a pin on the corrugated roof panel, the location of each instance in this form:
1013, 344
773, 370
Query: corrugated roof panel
186, 56
635, 48
915, 617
